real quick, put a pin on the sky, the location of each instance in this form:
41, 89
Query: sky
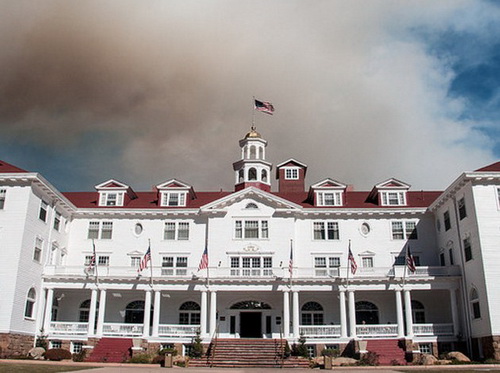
147, 91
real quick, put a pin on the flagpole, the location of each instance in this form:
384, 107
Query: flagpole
253, 114
291, 262
406, 265
151, 261
348, 264
95, 263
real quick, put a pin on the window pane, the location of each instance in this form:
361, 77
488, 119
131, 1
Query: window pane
251, 229
169, 232
268, 262
334, 262
397, 230
319, 231
182, 261
333, 230
173, 199
411, 230
183, 231
264, 229
107, 230
93, 230
238, 231
320, 262
43, 211
3, 192
235, 262
167, 261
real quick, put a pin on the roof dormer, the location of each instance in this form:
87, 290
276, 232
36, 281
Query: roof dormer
328, 192
391, 192
174, 193
114, 193
291, 175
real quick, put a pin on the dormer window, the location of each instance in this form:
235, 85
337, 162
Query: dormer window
291, 173
173, 199
329, 198
111, 199
327, 193
394, 198
114, 193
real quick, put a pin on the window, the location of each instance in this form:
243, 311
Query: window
404, 230
329, 198
57, 221
76, 347
252, 174
442, 260
251, 266
173, 199
88, 260
367, 261
43, 211
55, 344
447, 222
84, 311
106, 231
312, 314
474, 301
135, 261
176, 231
393, 198
326, 266
326, 230
174, 266
425, 348
251, 229
37, 252
291, 173
467, 249
30, 303
189, 313
3, 193
450, 253
418, 312
103, 261
462, 212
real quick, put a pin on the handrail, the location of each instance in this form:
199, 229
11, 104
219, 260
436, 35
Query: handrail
213, 344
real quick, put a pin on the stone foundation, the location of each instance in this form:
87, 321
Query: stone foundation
14, 345
491, 347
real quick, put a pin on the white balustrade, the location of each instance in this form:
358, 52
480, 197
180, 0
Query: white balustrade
122, 330
319, 331
432, 329
60, 328
379, 330
171, 330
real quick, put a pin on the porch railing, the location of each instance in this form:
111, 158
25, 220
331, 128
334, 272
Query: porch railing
381, 330
320, 331
433, 329
122, 330
68, 328
173, 330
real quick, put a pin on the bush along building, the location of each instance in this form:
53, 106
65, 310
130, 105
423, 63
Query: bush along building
415, 270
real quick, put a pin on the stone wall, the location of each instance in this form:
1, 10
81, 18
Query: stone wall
12, 345
491, 347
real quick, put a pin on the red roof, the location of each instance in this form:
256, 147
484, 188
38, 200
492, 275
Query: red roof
7, 167
149, 200
494, 167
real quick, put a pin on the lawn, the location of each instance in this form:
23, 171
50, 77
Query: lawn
38, 368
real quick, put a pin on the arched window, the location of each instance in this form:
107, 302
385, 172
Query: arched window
251, 206
252, 152
312, 314
418, 312
241, 176
474, 302
134, 312
189, 313
261, 153
30, 303
252, 174
263, 176
250, 305
84, 311
366, 313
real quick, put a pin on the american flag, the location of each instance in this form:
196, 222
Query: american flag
144, 262
410, 261
290, 262
204, 259
92, 259
352, 261
264, 107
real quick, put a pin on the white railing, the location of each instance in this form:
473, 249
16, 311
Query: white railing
433, 329
319, 331
380, 330
122, 330
68, 328
167, 330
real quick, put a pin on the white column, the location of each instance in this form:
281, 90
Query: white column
408, 314
213, 312
352, 314
49, 299
296, 310
102, 310
147, 314
454, 311
399, 313
286, 314
156, 313
93, 306
343, 315
203, 313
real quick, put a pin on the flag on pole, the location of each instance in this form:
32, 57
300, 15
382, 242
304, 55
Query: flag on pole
263, 106
352, 261
144, 262
290, 262
410, 261
204, 259
92, 261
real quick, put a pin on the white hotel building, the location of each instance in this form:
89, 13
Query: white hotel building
448, 302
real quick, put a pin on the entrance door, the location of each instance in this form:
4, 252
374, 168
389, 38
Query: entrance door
251, 324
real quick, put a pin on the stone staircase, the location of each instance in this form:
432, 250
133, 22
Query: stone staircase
248, 353
111, 350
389, 351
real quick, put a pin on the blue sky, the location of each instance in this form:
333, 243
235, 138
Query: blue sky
145, 92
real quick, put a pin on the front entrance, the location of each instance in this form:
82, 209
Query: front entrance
251, 324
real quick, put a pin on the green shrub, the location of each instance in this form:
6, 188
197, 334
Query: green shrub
80, 356
57, 354
370, 358
165, 351
331, 352
197, 347
140, 359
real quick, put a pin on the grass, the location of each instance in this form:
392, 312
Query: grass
39, 368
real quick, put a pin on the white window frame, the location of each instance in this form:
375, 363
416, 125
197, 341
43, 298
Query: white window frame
3, 195
76, 347
135, 261
111, 198
243, 227
406, 229
38, 250
31, 301
462, 208
331, 265
393, 198
103, 261
178, 267
367, 261
100, 230
329, 198
251, 265
57, 221
177, 230
44, 211
173, 199
292, 173
325, 228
